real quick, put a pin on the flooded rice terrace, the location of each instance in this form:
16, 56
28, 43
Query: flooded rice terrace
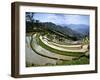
39, 53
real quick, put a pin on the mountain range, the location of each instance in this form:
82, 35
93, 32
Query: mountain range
80, 28
64, 30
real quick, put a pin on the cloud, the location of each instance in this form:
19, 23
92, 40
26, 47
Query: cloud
62, 18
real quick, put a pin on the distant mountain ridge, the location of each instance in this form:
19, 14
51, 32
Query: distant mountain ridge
80, 28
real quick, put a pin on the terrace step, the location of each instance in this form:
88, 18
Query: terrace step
69, 48
46, 53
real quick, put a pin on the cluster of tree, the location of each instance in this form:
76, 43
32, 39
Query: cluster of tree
31, 23
85, 40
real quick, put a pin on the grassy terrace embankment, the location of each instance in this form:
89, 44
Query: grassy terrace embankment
76, 54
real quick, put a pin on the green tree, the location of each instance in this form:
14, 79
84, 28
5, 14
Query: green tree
29, 16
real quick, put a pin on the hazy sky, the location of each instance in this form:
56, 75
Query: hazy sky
62, 18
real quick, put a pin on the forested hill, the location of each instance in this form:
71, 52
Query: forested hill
63, 30
58, 29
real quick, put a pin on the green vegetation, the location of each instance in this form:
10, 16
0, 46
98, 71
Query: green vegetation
29, 64
86, 40
82, 60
